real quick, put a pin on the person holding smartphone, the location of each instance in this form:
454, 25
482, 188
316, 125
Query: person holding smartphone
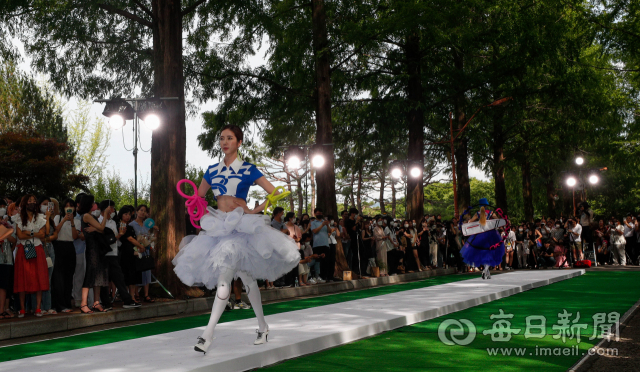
65, 253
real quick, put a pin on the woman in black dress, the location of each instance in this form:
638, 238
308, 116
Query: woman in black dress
96, 275
128, 249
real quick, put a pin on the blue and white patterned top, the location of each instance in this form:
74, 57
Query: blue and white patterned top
234, 180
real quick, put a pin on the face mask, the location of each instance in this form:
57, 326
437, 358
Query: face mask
96, 213
31, 207
414, 224
43, 209
113, 214
69, 210
520, 230
379, 223
319, 217
333, 223
3, 211
14, 218
406, 226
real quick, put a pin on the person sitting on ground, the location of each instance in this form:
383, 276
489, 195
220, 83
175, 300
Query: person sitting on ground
546, 256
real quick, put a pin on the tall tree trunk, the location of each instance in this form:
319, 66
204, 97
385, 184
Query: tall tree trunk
353, 180
382, 186
415, 121
527, 191
326, 175
299, 192
291, 206
551, 193
169, 140
359, 194
461, 144
312, 181
393, 199
498, 165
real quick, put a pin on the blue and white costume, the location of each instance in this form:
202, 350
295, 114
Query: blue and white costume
234, 242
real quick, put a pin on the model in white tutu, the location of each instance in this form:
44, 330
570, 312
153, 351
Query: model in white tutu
235, 241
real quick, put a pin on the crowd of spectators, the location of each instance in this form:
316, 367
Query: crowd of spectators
56, 257
73, 256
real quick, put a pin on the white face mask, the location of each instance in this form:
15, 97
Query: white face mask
113, 214
15, 217
332, 223
96, 213
43, 209
406, 225
379, 223
414, 224
3, 211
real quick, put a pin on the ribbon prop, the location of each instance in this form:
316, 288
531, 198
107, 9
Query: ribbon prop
196, 206
273, 199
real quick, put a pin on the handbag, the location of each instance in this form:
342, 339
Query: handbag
29, 250
145, 263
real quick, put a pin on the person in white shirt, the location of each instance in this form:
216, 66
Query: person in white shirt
630, 236
112, 263
65, 252
575, 230
510, 244
618, 243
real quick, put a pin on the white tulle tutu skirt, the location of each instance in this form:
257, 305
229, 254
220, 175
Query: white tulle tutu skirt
234, 241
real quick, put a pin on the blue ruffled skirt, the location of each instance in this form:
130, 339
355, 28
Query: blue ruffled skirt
476, 250
236, 241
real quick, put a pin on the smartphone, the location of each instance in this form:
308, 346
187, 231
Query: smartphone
50, 207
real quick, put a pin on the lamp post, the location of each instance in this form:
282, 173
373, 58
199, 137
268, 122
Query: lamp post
452, 143
119, 110
400, 168
295, 154
573, 181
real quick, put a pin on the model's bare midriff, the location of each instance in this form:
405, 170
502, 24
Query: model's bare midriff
227, 203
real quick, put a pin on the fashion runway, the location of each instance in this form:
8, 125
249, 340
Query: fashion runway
292, 334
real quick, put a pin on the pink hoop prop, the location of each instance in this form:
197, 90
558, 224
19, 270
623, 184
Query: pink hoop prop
196, 206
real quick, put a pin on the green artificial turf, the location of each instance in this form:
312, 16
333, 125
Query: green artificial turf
418, 347
137, 331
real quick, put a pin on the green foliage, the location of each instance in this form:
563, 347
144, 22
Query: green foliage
90, 138
33, 164
109, 185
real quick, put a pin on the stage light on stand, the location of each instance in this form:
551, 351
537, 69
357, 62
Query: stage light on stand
152, 121
317, 161
571, 181
118, 111
293, 157
415, 172
116, 122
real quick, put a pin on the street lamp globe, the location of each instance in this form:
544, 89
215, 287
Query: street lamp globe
317, 161
579, 160
593, 179
396, 173
116, 122
571, 181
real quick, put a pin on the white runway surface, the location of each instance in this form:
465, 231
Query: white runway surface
292, 334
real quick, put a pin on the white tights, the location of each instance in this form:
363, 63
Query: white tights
222, 297
487, 272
